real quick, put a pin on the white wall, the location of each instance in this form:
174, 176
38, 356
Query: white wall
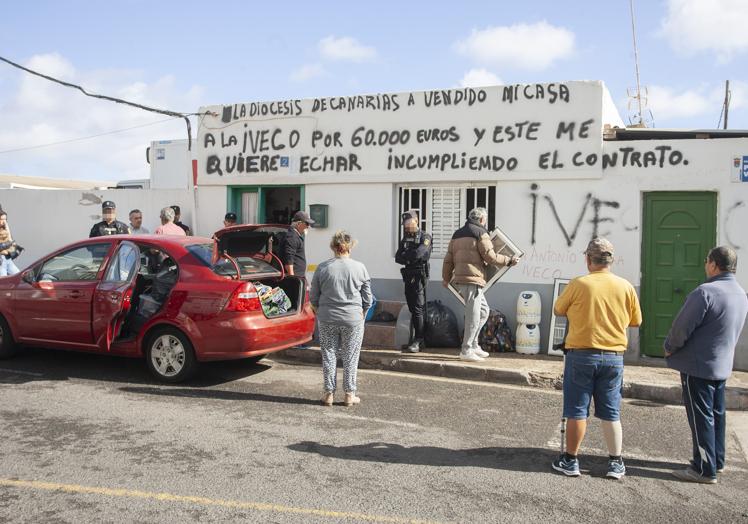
44, 220
709, 169
211, 208
369, 212
364, 210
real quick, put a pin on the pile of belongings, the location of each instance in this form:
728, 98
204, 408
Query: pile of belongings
496, 335
273, 299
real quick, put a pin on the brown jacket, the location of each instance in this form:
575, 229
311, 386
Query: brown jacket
469, 252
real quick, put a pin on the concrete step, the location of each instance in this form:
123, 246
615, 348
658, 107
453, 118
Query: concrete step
379, 334
382, 334
390, 306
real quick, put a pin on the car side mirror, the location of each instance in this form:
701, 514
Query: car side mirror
28, 277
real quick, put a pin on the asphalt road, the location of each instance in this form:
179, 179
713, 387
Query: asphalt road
88, 438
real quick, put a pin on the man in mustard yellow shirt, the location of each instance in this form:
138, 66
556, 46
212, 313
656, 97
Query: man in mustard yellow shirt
599, 306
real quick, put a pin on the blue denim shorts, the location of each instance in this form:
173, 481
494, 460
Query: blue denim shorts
593, 375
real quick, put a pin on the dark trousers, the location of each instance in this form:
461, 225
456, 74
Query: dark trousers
415, 296
705, 407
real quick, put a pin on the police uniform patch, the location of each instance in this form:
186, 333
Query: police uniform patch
426, 242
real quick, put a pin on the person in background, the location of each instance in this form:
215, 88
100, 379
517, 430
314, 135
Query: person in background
178, 221
229, 219
599, 307
9, 250
136, 223
470, 250
168, 227
341, 296
701, 345
292, 249
109, 225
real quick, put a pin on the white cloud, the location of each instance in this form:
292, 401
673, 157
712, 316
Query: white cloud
479, 78
667, 103
345, 48
307, 72
717, 26
36, 111
524, 46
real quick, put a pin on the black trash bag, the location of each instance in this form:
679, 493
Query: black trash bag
496, 335
441, 326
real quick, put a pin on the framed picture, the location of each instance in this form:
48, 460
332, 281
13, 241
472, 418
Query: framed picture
557, 332
503, 246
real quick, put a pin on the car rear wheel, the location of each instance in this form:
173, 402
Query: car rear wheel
8, 346
170, 356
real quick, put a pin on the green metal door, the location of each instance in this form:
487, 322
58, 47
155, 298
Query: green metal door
679, 230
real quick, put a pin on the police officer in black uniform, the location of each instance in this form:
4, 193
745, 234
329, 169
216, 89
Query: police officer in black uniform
414, 253
109, 226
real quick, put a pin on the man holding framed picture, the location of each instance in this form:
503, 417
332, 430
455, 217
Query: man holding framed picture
469, 252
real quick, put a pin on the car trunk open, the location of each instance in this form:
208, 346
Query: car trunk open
254, 249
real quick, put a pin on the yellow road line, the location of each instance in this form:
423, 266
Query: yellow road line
237, 504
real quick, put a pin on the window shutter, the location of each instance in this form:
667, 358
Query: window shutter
446, 217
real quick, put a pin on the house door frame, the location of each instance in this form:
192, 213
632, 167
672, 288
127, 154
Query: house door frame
654, 327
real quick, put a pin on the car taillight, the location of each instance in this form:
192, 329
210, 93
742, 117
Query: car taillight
244, 299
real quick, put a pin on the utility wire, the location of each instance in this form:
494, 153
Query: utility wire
85, 137
111, 98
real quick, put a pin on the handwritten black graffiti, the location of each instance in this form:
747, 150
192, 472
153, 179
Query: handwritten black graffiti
728, 216
570, 236
380, 102
549, 92
660, 156
337, 164
450, 161
597, 219
570, 129
281, 108
237, 164
534, 197
454, 97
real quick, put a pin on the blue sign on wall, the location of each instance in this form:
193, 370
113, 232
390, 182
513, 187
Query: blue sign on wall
744, 170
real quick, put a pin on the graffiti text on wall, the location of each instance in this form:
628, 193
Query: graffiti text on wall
570, 231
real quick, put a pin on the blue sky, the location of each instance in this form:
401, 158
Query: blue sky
181, 55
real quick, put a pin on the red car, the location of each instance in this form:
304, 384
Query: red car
174, 300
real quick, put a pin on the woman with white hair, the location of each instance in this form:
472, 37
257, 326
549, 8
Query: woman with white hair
168, 227
341, 296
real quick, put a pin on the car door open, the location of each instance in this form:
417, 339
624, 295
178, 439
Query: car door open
113, 294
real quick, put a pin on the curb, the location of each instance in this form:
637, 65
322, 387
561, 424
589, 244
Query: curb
735, 397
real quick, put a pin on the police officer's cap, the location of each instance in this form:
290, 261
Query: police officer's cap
409, 215
108, 204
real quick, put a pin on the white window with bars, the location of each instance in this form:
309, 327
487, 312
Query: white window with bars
443, 209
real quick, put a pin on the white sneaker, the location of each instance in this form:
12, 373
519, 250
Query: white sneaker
482, 354
470, 357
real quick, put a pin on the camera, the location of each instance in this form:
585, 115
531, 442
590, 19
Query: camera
16, 252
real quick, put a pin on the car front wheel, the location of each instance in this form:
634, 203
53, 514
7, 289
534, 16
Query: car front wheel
170, 356
8, 346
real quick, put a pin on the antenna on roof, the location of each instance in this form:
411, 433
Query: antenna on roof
638, 120
725, 104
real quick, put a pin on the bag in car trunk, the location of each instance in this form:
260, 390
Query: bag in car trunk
290, 288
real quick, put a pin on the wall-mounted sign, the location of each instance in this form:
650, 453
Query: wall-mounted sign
740, 168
